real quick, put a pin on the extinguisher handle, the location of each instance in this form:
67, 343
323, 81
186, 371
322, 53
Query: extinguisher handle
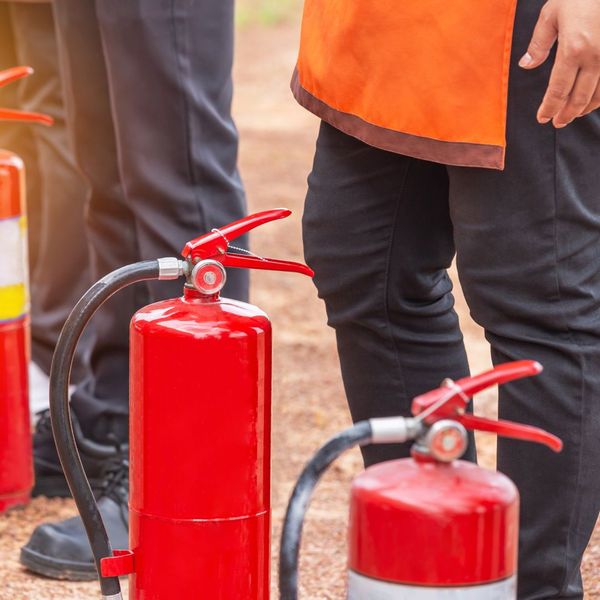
499, 375
453, 397
508, 429
215, 245
8, 76
13, 74
265, 264
217, 241
7, 114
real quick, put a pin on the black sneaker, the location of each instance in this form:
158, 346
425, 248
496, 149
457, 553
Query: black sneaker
49, 478
62, 551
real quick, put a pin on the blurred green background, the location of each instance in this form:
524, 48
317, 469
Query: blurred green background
266, 12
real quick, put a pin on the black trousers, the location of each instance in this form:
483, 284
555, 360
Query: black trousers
56, 192
380, 231
148, 92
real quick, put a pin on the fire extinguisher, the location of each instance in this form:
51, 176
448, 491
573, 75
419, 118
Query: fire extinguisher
200, 404
429, 527
16, 464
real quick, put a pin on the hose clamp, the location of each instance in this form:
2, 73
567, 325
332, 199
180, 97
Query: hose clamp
394, 430
170, 268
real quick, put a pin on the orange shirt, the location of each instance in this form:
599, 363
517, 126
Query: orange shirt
425, 78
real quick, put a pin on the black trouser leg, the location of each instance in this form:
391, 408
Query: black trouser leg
378, 234
102, 400
528, 244
149, 91
176, 141
528, 263
60, 274
528, 249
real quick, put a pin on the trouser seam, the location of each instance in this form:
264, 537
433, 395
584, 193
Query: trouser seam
141, 294
576, 512
388, 261
187, 119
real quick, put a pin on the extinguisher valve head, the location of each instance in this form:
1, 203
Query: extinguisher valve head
445, 441
208, 277
216, 245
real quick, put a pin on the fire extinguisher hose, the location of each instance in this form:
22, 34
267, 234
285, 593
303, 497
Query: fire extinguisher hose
62, 427
358, 435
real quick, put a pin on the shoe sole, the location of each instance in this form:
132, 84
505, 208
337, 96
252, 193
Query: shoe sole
55, 569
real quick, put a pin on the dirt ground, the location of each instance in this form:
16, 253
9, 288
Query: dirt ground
276, 152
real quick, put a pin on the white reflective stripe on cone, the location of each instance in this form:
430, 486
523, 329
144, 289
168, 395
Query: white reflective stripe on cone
365, 588
13, 248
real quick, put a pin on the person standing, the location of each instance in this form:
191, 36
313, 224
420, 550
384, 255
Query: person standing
466, 128
56, 192
56, 198
148, 92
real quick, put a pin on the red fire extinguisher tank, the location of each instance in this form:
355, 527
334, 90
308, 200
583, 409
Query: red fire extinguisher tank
429, 527
200, 449
200, 433
16, 467
466, 516
16, 464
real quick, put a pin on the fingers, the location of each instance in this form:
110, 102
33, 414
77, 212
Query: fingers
580, 98
594, 103
574, 86
544, 37
562, 80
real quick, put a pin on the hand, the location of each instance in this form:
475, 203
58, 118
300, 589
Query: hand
574, 86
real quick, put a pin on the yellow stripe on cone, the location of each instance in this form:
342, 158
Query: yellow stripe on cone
13, 301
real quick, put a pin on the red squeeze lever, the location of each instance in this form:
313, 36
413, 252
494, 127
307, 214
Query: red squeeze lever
451, 399
215, 245
6, 114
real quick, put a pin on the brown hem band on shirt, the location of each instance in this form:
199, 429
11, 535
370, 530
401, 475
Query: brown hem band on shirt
461, 154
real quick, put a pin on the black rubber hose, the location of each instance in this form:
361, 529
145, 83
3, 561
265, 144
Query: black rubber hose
62, 427
291, 534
